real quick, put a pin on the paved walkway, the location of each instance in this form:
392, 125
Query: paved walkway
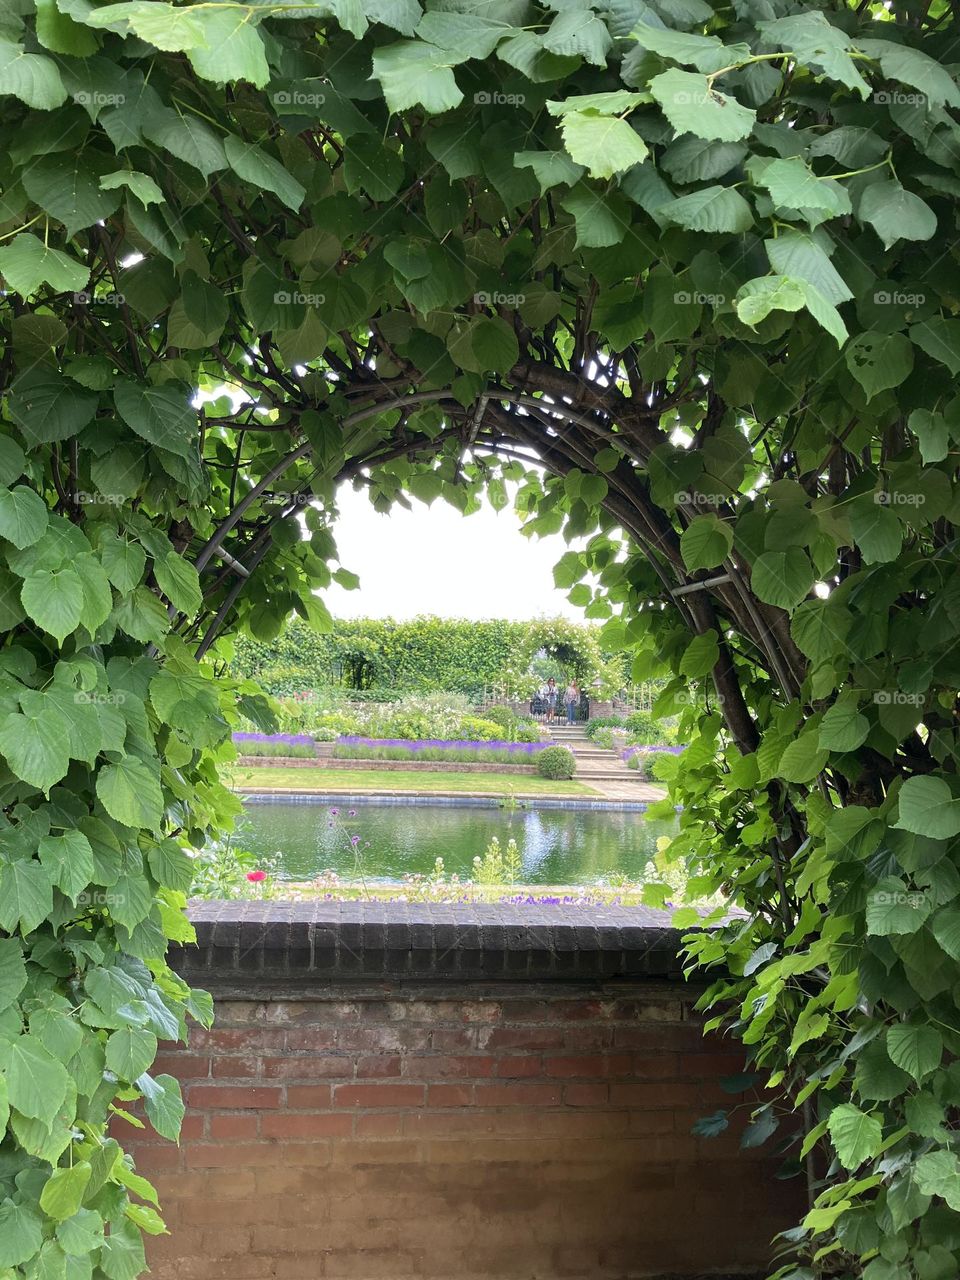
604, 770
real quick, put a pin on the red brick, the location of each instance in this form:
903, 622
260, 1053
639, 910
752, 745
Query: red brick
379, 1095
450, 1095
379, 1066
307, 1068
385, 1124
650, 1097
234, 1128
525, 1038
229, 1098
236, 1067
518, 1095
148, 1158
310, 1039
578, 1067
517, 1065
184, 1066
586, 1095
303, 1125
227, 1155
308, 1097
439, 1066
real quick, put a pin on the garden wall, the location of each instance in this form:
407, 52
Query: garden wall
395, 1092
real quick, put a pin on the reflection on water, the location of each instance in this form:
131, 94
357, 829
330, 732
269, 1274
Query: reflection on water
558, 846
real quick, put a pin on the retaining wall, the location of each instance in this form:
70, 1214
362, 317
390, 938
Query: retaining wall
398, 1092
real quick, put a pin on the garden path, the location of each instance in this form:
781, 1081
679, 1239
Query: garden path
602, 770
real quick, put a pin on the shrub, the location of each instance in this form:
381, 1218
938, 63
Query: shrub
599, 723
643, 728
527, 731
556, 763
483, 730
505, 717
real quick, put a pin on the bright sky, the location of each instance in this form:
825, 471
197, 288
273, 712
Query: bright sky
435, 560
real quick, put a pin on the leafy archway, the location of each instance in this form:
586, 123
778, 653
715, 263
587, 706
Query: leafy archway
685, 275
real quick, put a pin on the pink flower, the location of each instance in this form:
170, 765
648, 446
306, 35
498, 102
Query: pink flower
256, 877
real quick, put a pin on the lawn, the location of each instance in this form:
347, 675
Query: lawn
355, 781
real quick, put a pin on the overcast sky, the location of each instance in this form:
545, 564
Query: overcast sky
435, 560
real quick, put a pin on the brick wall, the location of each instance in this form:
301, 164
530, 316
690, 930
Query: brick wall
389, 1128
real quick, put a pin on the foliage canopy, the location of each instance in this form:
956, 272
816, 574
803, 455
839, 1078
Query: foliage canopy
696, 263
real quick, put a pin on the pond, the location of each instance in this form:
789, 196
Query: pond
558, 846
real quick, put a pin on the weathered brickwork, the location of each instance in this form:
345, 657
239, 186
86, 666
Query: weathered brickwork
468, 1130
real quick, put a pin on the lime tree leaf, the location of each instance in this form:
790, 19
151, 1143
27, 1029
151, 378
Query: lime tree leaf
130, 1051
161, 25
179, 582
893, 909
601, 221
945, 926
706, 542
896, 214
878, 532
53, 598
915, 1049
413, 73
806, 256
782, 578
467, 34
928, 808
69, 861
711, 209
163, 1104
494, 344
66, 187
47, 407
793, 185
843, 727
30, 77
603, 144
910, 66
23, 516
855, 1135
20, 1234
932, 432
706, 53
816, 43
187, 138
692, 105
63, 1191
757, 298
940, 339
123, 562
232, 48
163, 415
256, 166
26, 263
122, 1256
938, 1174
35, 746
879, 361
141, 184
579, 31
130, 793
802, 759
13, 972
700, 656
37, 1083
26, 896
82, 1233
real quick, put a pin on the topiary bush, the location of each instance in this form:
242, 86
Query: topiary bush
556, 763
505, 717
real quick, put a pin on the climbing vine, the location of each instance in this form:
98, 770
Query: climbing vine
687, 276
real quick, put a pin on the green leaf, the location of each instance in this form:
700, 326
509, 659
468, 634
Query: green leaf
13, 972
494, 344
68, 860
130, 793
603, 144
932, 432
82, 1233
466, 34
20, 1234
802, 759
63, 1191
876, 529
927, 807
757, 298
879, 361
692, 105
188, 139
793, 185
26, 263
817, 43
36, 1081
893, 909
909, 66
710, 209
579, 31
412, 73
47, 407
896, 214
938, 1174
700, 656
26, 897
843, 727
123, 562
782, 578
940, 339
162, 415
30, 77
53, 598
179, 582
855, 1135
231, 49
130, 1051
945, 927
259, 168
706, 542
67, 188
34, 746
163, 1104
806, 256
141, 184
23, 516
914, 1048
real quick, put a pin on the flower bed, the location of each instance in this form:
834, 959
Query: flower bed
297, 745
452, 750
640, 757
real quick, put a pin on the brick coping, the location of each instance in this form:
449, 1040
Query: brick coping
277, 949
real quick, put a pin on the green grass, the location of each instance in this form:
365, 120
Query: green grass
380, 780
